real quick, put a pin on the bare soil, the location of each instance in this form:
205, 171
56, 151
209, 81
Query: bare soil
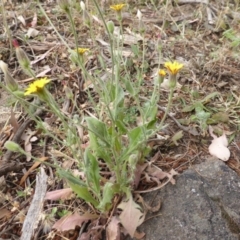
194, 34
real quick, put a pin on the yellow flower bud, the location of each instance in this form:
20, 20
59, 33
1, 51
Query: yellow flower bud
12, 146
110, 26
118, 7
23, 59
82, 5
173, 67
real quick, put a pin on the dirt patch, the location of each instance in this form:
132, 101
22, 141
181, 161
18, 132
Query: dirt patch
203, 37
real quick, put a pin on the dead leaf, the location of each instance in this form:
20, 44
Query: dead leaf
130, 37
137, 173
171, 174
113, 229
218, 147
69, 222
131, 216
102, 42
22, 20
153, 209
98, 21
35, 165
46, 69
2, 182
21, 216
155, 174
5, 213
67, 164
32, 32
15, 206
42, 56
33, 139
139, 235
156, 156
94, 230
59, 194
177, 136
34, 21
27, 143
66, 105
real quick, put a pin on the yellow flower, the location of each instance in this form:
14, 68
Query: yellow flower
173, 67
162, 73
81, 51
118, 7
37, 86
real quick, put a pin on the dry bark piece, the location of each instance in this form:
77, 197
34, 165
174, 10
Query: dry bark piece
34, 212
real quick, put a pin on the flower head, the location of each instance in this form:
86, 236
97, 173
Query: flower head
173, 67
23, 59
81, 51
161, 76
21, 55
162, 73
118, 7
110, 26
139, 15
37, 86
82, 5
12, 146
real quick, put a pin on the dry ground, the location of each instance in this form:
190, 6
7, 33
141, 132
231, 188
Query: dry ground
203, 37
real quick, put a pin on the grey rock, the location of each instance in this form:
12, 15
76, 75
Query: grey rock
204, 204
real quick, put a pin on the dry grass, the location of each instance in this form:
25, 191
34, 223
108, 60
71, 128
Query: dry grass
175, 32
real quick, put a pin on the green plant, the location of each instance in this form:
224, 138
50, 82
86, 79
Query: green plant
201, 115
231, 35
116, 138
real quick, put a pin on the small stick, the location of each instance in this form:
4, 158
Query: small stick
34, 213
192, 1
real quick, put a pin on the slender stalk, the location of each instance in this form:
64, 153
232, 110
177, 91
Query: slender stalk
74, 32
109, 35
54, 28
168, 107
7, 28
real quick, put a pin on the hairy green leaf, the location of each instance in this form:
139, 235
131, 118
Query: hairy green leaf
107, 195
70, 177
97, 131
92, 170
83, 193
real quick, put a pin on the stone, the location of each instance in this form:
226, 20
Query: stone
204, 204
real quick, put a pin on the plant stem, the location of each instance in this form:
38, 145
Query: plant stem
74, 32
7, 28
168, 107
54, 28
109, 35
